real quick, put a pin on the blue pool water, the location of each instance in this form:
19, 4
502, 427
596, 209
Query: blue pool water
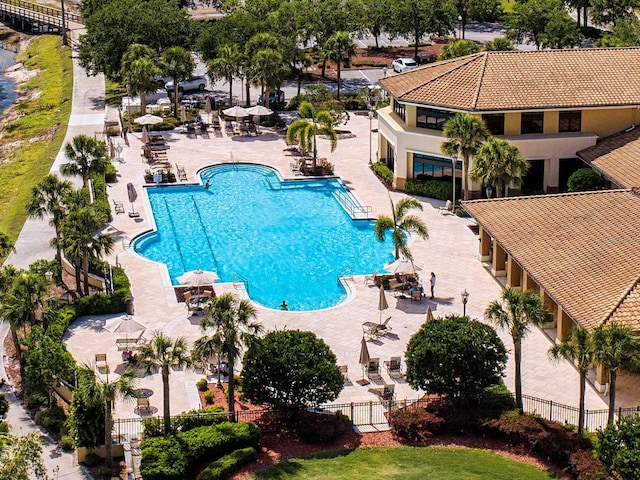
290, 240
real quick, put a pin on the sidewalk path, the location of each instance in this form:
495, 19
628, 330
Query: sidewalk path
87, 117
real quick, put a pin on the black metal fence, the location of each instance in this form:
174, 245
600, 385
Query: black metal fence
375, 413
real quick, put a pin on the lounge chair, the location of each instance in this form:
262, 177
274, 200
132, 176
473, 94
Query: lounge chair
344, 370
101, 361
386, 392
416, 295
446, 208
396, 285
394, 367
143, 405
371, 278
376, 330
118, 207
373, 369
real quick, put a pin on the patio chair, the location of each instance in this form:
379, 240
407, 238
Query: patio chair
118, 207
394, 367
416, 295
396, 285
143, 405
373, 369
368, 279
101, 361
344, 370
446, 208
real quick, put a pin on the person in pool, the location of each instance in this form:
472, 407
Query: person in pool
207, 184
284, 306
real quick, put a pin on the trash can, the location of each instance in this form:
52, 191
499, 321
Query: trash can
128, 306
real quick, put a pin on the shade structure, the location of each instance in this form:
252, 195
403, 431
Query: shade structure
148, 119
382, 302
364, 360
236, 111
429, 316
402, 266
260, 111
126, 325
145, 135
197, 278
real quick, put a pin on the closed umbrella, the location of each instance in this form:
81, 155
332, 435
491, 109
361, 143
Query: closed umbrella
429, 317
364, 360
382, 302
145, 135
148, 119
196, 278
207, 108
133, 195
183, 114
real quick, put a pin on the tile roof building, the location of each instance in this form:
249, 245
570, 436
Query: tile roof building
550, 104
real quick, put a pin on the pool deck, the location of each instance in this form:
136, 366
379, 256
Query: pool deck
450, 252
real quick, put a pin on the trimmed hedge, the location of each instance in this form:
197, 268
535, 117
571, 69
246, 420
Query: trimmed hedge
229, 464
154, 427
100, 304
382, 171
170, 458
439, 189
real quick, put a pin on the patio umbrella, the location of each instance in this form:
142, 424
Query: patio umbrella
364, 360
183, 114
260, 111
429, 317
196, 278
127, 325
133, 195
207, 108
402, 266
145, 135
382, 302
148, 119
236, 111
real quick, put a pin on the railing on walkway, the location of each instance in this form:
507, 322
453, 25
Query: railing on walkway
238, 279
11, 5
346, 273
352, 206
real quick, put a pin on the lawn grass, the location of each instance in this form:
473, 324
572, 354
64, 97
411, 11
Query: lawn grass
40, 128
398, 463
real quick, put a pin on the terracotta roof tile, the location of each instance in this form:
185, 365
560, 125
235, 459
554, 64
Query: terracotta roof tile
581, 248
498, 81
617, 158
628, 312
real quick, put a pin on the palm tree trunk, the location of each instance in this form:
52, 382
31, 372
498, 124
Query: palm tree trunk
231, 395
230, 80
248, 92
77, 264
465, 165
315, 153
583, 386
517, 357
107, 434
612, 396
338, 80
143, 103
85, 273
175, 97
165, 400
85, 181
16, 343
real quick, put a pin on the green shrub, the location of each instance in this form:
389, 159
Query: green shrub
63, 318
163, 458
4, 406
320, 428
586, 466
382, 171
34, 399
92, 460
66, 443
111, 174
100, 304
584, 180
4, 428
369, 63
497, 398
202, 385
51, 419
229, 464
416, 426
618, 447
440, 189
208, 397
154, 427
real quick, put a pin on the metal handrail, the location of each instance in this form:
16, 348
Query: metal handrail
352, 207
237, 278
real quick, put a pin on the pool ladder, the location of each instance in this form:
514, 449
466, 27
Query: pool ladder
240, 280
347, 274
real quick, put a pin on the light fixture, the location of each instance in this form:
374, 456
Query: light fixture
465, 298
48, 275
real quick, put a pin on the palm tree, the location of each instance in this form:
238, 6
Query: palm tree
163, 353
208, 347
339, 48
88, 157
230, 319
139, 68
615, 345
517, 312
464, 134
311, 124
96, 390
267, 70
579, 350
6, 245
179, 65
401, 225
226, 65
48, 197
498, 163
82, 242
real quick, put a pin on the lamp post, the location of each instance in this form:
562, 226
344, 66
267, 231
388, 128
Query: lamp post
454, 161
370, 141
48, 275
65, 41
129, 106
459, 26
465, 298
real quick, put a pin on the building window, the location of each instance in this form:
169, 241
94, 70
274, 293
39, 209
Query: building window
532, 123
570, 121
390, 159
430, 166
400, 110
433, 119
495, 123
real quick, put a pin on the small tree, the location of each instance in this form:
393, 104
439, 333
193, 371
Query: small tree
455, 356
618, 447
88, 157
497, 164
458, 48
21, 457
584, 180
401, 225
291, 370
339, 48
179, 65
311, 124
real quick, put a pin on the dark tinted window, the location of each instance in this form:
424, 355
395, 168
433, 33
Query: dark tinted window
433, 119
532, 123
495, 123
570, 121
400, 110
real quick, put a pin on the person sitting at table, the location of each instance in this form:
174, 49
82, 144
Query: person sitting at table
126, 356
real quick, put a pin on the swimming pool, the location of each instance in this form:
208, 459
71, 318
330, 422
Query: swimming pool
289, 239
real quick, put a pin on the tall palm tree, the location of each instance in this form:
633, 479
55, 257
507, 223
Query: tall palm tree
231, 320
97, 389
465, 134
48, 197
163, 353
82, 242
517, 312
401, 225
88, 157
139, 68
267, 70
340, 48
179, 65
615, 345
311, 124
226, 65
498, 163
208, 347
579, 350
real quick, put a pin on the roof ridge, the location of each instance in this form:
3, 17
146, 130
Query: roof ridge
553, 195
485, 58
624, 296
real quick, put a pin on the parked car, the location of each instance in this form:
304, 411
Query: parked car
276, 99
161, 80
194, 83
404, 64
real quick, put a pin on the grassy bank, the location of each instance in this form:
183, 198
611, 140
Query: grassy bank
38, 131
